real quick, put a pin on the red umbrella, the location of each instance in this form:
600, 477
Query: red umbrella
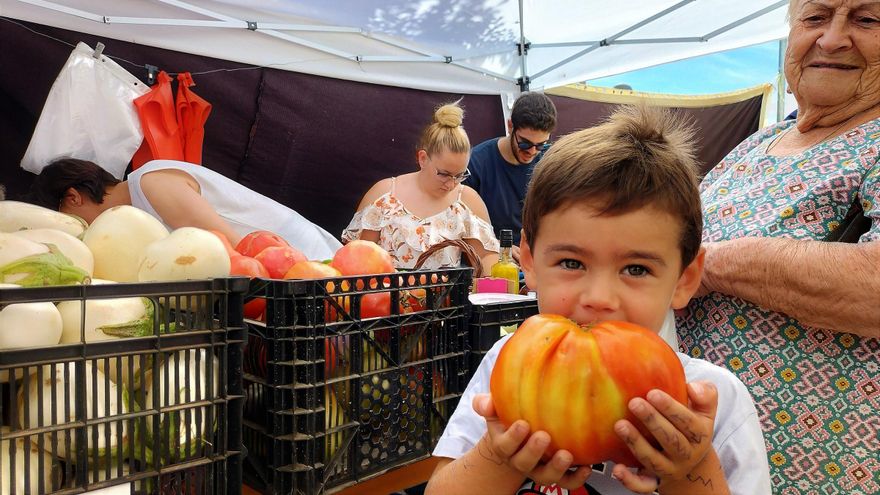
192, 113
162, 134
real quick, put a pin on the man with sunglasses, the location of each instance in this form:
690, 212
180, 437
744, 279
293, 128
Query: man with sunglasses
500, 168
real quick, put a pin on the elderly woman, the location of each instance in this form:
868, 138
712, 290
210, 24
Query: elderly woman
796, 318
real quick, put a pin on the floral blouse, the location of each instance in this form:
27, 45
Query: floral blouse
406, 236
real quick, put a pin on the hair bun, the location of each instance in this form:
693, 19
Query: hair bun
450, 115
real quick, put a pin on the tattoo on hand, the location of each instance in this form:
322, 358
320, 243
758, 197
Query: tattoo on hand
680, 450
703, 481
693, 436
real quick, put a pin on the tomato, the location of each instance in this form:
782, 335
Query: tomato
278, 260
311, 270
245, 265
375, 304
412, 301
253, 243
362, 258
575, 382
250, 267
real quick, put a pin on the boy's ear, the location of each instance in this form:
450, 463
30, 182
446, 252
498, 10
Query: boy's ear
527, 262
509, 126
689, 281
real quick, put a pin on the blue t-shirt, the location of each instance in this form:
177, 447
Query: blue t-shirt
501, 185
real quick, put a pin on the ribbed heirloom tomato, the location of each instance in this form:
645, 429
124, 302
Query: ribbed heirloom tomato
362, 258
255, 242
575, 382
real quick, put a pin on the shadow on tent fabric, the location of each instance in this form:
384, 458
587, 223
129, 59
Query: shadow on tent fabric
162, 139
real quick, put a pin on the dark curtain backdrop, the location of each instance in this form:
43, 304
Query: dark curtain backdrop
313, 143
719, 128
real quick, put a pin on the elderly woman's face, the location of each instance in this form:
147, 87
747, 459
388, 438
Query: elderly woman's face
834, 52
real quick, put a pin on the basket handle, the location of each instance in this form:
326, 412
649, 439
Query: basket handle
470, 254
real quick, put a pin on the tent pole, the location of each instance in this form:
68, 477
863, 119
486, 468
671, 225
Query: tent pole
523, 52
780, 82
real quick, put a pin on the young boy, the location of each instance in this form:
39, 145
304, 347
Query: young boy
611, 231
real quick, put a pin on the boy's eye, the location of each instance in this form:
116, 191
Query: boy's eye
636, 271
570, 264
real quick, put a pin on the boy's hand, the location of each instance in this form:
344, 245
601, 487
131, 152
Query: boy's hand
523, 452
684, 435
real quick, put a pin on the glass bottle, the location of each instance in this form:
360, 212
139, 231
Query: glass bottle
505, 267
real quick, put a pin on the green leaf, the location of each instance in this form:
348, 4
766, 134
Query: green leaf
39, 270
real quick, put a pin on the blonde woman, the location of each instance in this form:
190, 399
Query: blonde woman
409, 213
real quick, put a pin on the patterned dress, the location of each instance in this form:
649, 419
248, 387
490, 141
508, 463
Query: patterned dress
817, 391
406, 236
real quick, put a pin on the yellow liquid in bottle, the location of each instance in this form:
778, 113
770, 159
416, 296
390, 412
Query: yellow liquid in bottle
507, 270
505, 267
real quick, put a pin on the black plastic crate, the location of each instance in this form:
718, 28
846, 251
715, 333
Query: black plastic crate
160, 412
486, 322
336, 394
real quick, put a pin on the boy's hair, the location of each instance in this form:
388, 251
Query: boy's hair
533, 111
55, 179
445, 131
640, 156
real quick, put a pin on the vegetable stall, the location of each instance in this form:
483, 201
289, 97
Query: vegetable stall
135, 365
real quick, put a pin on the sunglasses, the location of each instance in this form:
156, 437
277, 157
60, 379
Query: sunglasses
525, 145
445, 176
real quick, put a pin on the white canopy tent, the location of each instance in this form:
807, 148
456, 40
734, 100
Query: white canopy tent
468, 46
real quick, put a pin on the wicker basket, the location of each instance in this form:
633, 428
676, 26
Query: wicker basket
470, 254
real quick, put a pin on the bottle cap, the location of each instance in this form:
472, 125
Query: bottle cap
506, 238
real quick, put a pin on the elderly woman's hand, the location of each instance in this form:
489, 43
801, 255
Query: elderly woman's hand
707, 284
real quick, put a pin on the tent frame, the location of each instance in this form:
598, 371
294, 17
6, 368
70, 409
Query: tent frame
523, 46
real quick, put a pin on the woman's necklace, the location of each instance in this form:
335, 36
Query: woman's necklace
811, 144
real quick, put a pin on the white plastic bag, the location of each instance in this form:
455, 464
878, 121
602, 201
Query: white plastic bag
88, 115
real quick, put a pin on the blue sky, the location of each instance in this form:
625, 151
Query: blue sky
716, 73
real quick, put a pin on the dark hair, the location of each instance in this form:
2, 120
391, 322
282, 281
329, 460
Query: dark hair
640, 156
534, 111
55, 179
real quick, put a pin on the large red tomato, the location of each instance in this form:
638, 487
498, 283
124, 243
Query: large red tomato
253, 243
279, 259
575, 382
362, 258
249, 267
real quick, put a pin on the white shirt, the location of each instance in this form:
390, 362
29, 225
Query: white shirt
243, 209
737, 438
